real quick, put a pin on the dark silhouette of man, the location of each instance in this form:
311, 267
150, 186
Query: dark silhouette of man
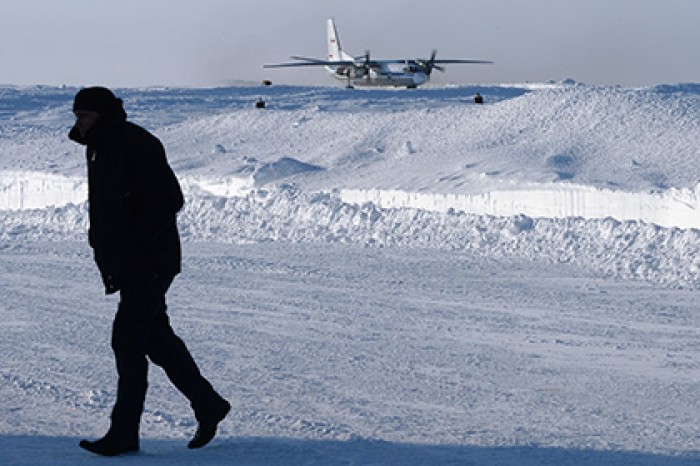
134, 198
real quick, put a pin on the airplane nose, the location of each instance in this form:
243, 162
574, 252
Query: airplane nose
419, 78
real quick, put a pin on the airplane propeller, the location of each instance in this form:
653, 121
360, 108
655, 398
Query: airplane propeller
367, 65
433, 65
360, 67
427, 66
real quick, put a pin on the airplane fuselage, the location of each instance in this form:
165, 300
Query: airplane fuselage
362, 71
378, 78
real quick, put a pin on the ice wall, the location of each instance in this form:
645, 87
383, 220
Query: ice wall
668, 208
34, 190
671, 208
21, 190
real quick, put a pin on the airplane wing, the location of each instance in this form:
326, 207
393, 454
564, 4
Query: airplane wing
289, 65
303, 61
406, 60
442, 61
463, 61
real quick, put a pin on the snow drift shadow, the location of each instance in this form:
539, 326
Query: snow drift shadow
283, 168
56, 451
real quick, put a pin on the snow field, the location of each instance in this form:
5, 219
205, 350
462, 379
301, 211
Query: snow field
376, 277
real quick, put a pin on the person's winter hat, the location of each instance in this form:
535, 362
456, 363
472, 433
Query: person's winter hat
95, 99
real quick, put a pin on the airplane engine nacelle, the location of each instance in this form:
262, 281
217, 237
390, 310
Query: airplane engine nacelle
355, 73
419, 78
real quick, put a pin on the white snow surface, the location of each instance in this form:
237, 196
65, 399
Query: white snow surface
383, 277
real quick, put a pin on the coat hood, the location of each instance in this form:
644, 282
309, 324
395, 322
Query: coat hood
103, 129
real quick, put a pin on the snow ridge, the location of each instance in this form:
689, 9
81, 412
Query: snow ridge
622, 249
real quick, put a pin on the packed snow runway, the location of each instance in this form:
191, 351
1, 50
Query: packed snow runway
376, 277
437, 357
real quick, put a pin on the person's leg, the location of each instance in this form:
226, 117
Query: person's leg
138, 308
167, 350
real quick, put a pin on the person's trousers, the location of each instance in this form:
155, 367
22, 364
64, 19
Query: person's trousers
142, 330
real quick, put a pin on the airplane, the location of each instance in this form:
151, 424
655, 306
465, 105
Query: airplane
363, 71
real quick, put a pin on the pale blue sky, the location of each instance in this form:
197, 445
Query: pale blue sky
214, 42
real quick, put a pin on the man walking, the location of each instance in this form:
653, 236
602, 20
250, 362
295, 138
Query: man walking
134, 198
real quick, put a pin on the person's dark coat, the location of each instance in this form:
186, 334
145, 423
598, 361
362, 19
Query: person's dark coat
133, 198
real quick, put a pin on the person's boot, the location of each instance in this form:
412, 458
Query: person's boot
208, 422
112, 444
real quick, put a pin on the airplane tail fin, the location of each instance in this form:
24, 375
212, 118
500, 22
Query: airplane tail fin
335, 51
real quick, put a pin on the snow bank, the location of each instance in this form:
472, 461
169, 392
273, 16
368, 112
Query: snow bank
670, 208
30, 190
629, 249
673, 208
